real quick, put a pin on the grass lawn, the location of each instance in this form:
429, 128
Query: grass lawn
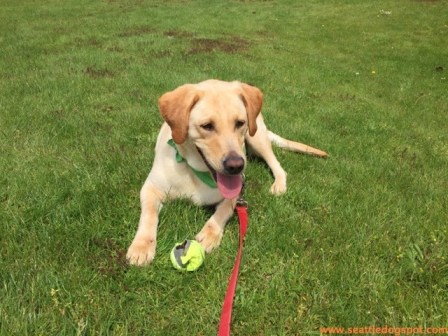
359, 239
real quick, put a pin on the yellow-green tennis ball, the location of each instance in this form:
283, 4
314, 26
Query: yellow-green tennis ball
187, 256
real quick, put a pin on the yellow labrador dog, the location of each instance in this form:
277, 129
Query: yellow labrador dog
200, 155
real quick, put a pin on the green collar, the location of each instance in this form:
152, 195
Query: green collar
206, 177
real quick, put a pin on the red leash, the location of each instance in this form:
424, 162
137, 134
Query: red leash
226, 314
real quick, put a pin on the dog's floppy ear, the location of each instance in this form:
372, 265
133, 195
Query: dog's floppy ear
175, 107
253, 100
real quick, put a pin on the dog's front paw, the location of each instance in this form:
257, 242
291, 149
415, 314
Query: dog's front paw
141, 252
210, 236
278, 187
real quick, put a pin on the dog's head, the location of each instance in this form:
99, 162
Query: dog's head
215, 116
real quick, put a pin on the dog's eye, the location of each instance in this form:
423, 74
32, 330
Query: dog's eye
239, 123
208, 127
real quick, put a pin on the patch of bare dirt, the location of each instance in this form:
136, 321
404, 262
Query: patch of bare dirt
178, 33
58, 114
98, 73
136, 31
88, 42
111, 259
229, 45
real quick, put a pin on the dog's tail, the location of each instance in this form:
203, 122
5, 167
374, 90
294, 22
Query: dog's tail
295, 146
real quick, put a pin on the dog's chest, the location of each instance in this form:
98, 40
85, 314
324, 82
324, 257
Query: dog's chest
189, 186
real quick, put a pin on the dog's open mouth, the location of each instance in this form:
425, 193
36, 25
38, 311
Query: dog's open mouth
228, 185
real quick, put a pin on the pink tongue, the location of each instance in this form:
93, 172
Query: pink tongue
229, 185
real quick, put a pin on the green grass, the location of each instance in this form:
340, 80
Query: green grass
359, 239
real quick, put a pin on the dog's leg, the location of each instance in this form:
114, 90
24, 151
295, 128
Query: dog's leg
143, 247
261, 145
211, 234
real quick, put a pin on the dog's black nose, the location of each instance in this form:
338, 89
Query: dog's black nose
233, 164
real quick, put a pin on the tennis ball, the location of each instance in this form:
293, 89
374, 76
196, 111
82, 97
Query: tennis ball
187, 256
